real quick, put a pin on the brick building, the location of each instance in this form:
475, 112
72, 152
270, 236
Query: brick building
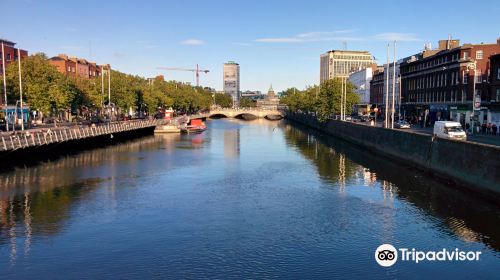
73, 66
494, 80
438, 84
377, 87
10, 53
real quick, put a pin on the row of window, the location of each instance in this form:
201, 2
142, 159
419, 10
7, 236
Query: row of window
441, 80
443, 59
444, 96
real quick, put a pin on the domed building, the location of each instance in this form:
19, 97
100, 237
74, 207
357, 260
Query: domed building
270, 102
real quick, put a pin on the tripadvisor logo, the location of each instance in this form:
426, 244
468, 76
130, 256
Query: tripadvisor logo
387, 255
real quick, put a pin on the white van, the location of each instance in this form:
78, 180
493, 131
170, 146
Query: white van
449, 130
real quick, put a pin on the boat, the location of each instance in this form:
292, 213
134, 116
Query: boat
194, 126
169, 128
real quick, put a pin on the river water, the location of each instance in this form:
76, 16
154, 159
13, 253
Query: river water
254, 199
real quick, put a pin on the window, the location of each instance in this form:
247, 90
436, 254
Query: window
498, 73
466, 55
478, 77
69, 69
479, 54
498, 95
466, 78
8, 57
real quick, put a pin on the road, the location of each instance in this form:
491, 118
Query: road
478, 138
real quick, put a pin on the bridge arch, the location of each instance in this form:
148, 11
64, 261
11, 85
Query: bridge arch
245, 116
218, 116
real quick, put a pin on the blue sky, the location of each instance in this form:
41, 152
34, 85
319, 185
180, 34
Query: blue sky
276, 42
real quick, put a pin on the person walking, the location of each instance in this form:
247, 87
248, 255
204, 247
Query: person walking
483, 128
494, 129
488, 128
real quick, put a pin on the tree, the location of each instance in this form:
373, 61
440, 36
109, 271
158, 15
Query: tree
246, 102
44, 88
329, 98
223, 100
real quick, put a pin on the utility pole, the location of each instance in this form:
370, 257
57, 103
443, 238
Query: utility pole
341, 98
102, 87
345, 98
399, 96
5, 89
20, 87
393, 85
109, 85
387, 90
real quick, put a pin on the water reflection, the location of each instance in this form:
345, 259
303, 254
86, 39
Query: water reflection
258, 199
465, 216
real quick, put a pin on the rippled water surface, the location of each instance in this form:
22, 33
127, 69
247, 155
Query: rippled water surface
255, 199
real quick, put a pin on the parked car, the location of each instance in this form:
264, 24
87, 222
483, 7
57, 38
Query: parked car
449, 130
402, 124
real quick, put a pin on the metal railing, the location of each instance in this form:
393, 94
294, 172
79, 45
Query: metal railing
32, 138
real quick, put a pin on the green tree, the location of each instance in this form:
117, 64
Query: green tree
44, 88
246, 102
329, 98
223, 100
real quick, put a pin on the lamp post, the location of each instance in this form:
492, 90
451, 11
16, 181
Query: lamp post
5, 89
472, 66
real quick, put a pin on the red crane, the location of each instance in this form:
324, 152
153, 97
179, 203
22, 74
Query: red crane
197, 71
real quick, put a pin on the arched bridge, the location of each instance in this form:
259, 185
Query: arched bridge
246, 113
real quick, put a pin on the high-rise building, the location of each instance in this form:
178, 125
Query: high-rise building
337, 63
232, 81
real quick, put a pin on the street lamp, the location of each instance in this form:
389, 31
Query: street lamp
472, 66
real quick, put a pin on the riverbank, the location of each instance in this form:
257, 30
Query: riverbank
32, 146
464, 164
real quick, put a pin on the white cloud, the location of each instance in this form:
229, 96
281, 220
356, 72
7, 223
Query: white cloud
316, 36
392, 36
193, 42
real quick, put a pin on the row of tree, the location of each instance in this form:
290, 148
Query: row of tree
324, 100
47, 90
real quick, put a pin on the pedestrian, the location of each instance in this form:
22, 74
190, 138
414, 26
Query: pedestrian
494, 129
483, 128
488, 128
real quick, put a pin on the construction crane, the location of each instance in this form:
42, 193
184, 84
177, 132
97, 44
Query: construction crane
197, 71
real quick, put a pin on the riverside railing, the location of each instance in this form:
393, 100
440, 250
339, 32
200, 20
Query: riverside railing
32, 138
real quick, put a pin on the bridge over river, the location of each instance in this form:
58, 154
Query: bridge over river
245, 113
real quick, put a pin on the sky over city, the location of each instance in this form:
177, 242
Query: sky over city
275, 42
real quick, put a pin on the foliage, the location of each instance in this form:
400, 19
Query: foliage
47, 90
223, 100
246, 102
324, 101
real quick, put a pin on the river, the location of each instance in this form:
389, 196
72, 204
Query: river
244, 199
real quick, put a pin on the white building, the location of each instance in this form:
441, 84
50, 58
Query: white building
232, 81
361, 79
337, 63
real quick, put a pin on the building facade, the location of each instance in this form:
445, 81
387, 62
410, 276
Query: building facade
232, 81
270, 102
336, 63
361, 79
442, 84
494, 106
73, 66
10, 53
377, 87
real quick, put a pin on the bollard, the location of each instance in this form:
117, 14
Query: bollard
4, 145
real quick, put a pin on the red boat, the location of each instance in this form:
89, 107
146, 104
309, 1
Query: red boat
195, 126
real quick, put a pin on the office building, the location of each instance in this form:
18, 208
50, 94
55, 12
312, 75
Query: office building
232, 81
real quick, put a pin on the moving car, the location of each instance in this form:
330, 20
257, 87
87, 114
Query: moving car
449, 130
402, 124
